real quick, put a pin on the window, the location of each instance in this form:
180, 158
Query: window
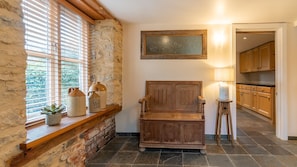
56, 42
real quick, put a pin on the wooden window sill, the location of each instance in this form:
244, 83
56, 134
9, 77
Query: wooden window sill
38, 135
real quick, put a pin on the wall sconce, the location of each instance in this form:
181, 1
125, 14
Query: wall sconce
224, 75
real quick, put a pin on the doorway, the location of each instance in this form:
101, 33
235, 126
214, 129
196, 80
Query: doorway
255, 73
280, 65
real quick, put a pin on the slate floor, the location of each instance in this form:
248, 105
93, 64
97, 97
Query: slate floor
256, 146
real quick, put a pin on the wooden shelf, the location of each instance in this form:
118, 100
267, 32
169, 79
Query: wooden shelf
38, 135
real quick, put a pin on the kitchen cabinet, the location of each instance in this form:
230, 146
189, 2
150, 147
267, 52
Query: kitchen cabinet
260, 58
265, 101
254, 99
260, 99
246, 99
245, 61
245, 96
266, 57
254, 59
238, 94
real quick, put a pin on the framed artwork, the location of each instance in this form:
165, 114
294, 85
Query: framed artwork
174, 44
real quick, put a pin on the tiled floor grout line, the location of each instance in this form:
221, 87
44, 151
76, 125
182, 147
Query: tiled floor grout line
290, 151
253, 146
228, 156
255, 160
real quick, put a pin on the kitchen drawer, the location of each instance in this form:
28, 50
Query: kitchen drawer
246, 87
263, 89
239, 86
253, 88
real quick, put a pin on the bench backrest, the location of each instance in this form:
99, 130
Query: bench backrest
174, 96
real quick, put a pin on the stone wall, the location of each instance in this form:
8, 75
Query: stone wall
107, 58
77, 149
12, 80
98, 137
74, 150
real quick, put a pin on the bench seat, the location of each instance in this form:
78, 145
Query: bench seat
172, 115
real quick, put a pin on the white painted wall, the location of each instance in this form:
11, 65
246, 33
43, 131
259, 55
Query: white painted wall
137, 71
292, 79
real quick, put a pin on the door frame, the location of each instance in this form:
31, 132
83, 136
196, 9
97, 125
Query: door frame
280, 30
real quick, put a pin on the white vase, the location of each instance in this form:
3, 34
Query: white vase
76, 103
101, 90
54, 119
93, 102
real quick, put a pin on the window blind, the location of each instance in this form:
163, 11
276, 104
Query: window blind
57, 45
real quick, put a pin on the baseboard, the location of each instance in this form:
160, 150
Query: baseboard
212, 137
127, 134
292, 137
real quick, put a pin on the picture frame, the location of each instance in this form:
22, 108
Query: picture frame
174, 44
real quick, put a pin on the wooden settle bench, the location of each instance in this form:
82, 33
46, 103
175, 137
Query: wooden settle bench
172, 116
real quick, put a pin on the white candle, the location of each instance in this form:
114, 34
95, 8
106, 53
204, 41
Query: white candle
224, 92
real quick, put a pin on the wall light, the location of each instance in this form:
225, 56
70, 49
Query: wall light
224, 75
219, 37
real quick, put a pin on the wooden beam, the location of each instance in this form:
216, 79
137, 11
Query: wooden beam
100, 9
76, 10
87, 9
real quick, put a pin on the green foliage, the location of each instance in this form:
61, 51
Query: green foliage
38, 82
52, 109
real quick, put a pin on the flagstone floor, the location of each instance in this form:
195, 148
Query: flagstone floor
256, 146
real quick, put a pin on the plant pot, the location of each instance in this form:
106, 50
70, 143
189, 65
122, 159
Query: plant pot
54, 119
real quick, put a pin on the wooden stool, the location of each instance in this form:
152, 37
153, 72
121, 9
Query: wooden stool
224, 109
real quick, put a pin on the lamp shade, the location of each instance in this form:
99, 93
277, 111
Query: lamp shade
224, 74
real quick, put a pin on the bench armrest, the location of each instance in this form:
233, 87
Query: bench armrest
144, 104
201, 103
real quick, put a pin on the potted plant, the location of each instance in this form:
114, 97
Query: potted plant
53, 114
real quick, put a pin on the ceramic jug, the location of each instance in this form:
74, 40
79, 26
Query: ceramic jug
93, 101
76, 103
100, 89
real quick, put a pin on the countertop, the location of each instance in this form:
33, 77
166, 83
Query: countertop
259, 84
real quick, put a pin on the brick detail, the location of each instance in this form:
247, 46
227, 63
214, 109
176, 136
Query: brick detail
104, 132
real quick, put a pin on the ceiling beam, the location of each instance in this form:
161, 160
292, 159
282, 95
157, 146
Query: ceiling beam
87, 9
90, 10
100, 9
76, 10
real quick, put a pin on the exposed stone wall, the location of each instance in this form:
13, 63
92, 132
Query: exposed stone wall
98, 137
77, 149
107, 69
69, 153
12, 80
107, 58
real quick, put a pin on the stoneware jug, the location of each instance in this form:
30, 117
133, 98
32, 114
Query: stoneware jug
76, 103
93, 101
100, 89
